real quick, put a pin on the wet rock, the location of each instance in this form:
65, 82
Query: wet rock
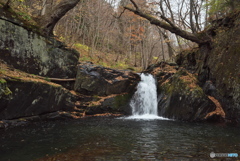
218, 63
115, 104
5, 93
179, 95
32, 98
98, 80
209, 88
187, 59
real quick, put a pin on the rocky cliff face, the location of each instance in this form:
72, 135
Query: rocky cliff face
180, 96
217, 65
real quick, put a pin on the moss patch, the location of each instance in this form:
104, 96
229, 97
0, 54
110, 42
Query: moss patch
183, 83
4, 90
2, 81
121, 100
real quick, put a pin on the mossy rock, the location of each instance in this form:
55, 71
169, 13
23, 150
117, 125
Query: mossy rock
4, 90
121, 101
5, 94
182, 98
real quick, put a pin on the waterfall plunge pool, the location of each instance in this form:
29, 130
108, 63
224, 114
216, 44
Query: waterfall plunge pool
142, 136
102, 138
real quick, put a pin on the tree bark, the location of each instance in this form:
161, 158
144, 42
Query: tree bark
44, 6
49, 20
169, 26
191, 17
170, 49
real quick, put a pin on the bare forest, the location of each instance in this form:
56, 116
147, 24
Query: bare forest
127, 33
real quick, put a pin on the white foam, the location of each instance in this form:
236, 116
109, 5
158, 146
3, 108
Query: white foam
146, 117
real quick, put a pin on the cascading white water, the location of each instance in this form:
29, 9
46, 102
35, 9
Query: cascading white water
144, 102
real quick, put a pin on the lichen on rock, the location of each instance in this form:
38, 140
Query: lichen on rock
35, 54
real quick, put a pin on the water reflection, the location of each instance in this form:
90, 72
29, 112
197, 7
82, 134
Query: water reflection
117, 139
146, 144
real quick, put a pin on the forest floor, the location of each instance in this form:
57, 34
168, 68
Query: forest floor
110, 60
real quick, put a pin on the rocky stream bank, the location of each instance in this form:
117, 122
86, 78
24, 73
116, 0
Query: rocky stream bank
40, 78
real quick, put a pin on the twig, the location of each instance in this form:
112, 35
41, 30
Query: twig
135, 5
120, 14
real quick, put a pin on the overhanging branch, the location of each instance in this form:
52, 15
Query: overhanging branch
170, 27
135, 5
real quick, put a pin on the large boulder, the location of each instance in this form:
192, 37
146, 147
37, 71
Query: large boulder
24, 97
98, 80
30, 52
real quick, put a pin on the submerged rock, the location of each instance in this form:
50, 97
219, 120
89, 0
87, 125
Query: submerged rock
98, 80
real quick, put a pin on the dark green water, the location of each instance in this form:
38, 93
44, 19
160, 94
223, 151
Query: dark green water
117, 139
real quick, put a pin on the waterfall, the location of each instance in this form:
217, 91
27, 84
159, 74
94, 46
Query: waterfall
144, 102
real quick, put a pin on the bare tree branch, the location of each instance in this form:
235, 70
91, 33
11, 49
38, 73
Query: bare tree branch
170, 27
49, 20
120, 14
135, 5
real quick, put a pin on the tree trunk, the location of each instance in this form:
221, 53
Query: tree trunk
191, 17
49, 20
44, 6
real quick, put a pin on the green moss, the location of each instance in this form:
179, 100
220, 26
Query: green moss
85, 58
2, 81
168, 88
121, 100
47, 79
96, 98
81, 46
4, 90
184, 86
7, 91
198, 91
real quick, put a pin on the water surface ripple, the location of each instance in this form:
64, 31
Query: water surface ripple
117, 139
